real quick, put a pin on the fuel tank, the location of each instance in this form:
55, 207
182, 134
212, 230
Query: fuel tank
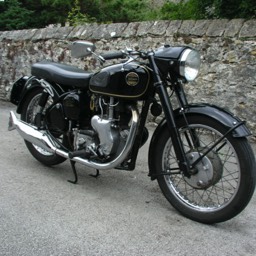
128, 81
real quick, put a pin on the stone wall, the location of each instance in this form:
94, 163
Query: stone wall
228, 48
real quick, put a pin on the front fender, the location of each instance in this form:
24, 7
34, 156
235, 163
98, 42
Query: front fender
219, 114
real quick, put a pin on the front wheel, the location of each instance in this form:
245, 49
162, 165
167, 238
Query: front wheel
222, 183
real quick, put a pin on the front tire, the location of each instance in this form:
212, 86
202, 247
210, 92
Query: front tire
223, 182
28, 113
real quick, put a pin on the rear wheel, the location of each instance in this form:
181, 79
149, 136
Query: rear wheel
222, 183
29, 110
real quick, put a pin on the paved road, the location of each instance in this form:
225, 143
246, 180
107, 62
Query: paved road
120, 213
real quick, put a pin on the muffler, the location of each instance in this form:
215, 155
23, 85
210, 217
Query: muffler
31, 134
43, 140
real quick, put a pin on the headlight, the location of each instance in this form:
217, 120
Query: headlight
189, 64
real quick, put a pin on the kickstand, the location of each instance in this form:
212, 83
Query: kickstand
74, 171
96, 175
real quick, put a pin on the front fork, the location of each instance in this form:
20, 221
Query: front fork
169, 115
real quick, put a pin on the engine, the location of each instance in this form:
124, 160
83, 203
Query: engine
97, 126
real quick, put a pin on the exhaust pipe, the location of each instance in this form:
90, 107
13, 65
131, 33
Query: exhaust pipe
43, 140
31, 134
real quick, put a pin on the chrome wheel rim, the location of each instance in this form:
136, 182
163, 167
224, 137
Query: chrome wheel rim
221, 192
32, 110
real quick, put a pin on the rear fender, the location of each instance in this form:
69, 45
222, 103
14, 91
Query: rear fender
220, 115
17, 90
31, 84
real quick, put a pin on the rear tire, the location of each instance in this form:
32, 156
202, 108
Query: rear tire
224, 181
28, 112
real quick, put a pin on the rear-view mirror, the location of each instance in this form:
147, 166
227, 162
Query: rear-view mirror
81, 49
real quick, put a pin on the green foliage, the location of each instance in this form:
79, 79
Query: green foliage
45, 13
52, 11
179, 11
19, 14
57, 3
123, 10
240, 8
14, 16
75, 17
209, 9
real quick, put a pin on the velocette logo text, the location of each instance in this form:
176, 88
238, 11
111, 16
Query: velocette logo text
132, 79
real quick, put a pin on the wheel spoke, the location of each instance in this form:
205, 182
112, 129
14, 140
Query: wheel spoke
222, 161
30, 118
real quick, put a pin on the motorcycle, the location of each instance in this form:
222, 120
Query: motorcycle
199, 153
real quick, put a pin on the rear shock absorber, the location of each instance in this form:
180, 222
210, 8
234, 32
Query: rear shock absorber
41, 104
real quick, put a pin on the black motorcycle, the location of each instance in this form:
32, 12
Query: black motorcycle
198, 153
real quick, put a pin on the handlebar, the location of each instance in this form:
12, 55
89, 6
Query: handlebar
123, 55
114, 55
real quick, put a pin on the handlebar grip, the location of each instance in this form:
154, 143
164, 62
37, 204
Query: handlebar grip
113, 55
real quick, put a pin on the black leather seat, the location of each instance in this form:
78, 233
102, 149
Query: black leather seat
61, 74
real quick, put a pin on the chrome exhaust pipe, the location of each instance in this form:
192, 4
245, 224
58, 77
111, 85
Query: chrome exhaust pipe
31, 134
43, 140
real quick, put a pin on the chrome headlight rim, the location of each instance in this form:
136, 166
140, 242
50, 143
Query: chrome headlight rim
189, 64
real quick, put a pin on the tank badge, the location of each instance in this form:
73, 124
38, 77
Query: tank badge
132, 79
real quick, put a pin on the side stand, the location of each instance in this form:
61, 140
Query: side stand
96, 175
74, 171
